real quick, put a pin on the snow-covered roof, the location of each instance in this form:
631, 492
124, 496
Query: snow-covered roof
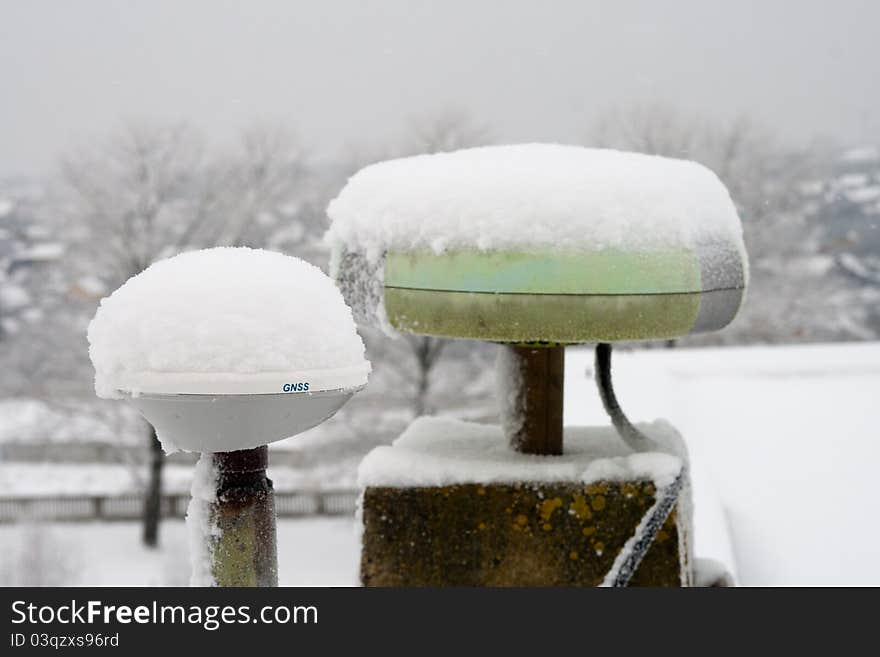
863, 194
13, 297
532, 196
220, 317
862, 154
852, 180
44, 251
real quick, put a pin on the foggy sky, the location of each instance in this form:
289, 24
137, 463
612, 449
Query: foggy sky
351, 72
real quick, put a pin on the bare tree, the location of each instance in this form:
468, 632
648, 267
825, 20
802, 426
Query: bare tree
650, 128
758, 173
152, 190
142, 192
446, 131
136, 197
263, 189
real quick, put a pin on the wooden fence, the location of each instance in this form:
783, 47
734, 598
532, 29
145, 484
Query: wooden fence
129, 507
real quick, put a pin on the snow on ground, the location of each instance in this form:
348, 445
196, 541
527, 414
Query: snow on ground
311, 552
784, 438
783, 441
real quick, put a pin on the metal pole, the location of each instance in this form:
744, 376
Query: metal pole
538, 373
244, 553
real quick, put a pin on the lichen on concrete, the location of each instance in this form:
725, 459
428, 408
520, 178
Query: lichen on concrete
527, 534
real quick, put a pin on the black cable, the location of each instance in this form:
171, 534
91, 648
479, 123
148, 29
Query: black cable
647, 530
635, 439
667, 497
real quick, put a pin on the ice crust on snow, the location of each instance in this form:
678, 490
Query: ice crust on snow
221, 312
437, 451
200, 523
531, 196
